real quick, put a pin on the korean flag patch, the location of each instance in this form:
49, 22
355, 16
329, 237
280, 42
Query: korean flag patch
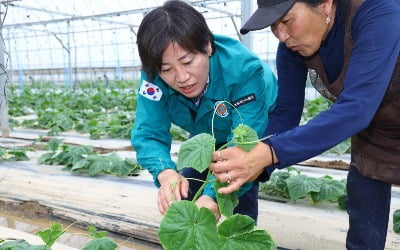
150, 91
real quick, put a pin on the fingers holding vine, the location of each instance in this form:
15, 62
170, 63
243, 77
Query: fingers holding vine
173, 187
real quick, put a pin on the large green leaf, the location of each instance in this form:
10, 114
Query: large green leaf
254, 240
236, 224
124, 168
196, 152
330, 190
21, 245
226, 202
237, 232
245, 137
184, 227
300, 185
100, 244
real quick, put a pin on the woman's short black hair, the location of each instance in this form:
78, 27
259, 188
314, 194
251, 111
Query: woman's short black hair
175, 21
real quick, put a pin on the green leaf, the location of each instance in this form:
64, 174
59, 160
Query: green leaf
254, 240
96, 234
277, 185
54, 144
47, 158
236, 224
49, 236
237, 232
17, 155
226, 202
300, 185
21, 245
342, 202
184, 227
82, 164
196, 152
99, 165
396, 221
100, 244
330, 190
244, 137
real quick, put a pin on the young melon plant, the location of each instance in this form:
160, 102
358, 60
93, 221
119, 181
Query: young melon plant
14, 154
184, 226
50, 235
294, 185
84, 159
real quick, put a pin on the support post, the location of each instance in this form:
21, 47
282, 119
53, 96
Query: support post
247, 10
5, 129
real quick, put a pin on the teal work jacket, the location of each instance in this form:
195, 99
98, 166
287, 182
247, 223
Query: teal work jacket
236, 75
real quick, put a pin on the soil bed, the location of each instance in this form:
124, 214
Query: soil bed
335, 164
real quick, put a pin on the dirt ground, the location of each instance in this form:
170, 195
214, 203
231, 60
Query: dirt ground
335, 164
27, 209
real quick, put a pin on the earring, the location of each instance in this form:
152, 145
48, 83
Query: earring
328, 20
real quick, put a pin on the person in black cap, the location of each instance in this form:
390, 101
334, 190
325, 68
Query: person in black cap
350, 51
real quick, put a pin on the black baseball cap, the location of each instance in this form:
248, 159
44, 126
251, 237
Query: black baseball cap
268, 12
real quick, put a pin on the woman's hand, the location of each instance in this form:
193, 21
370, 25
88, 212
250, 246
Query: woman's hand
173, 187
208, 202
236, 166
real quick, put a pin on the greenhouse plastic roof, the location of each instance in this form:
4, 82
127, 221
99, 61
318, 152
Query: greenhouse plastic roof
52, 15
73, 40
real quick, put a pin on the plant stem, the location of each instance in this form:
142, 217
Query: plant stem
189, 178
196, 196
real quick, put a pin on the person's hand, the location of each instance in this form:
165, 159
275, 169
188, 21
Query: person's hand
236, 166
173, 186
208, 202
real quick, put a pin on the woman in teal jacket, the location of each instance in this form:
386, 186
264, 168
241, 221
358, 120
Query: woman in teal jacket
187, 73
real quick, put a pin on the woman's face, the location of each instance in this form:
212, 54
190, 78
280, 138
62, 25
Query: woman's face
185, 71
303, 28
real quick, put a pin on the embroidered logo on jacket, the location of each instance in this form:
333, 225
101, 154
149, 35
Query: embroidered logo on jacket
150, 91
221, 109
244, 100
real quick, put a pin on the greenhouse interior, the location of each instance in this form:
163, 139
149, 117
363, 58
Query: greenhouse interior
69, 178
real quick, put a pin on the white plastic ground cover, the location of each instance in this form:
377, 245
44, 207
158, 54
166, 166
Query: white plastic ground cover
25, 137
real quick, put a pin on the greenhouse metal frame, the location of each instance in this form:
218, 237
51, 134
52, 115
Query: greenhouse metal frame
68, 42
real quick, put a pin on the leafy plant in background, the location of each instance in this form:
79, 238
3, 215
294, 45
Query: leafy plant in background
194, 228
49, 237
61, 109
294, 185
94, 108
101, 110
396, 221
84, 159
314, 107
14, 154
